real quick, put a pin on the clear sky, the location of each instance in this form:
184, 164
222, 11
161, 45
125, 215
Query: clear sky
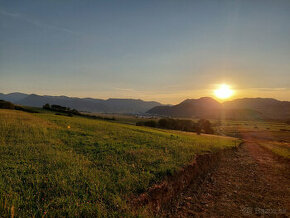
165, 50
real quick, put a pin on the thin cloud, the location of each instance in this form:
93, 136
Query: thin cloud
271, 89
9, 14
127, 90
36, 22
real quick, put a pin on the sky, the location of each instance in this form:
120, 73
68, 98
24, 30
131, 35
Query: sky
162, 50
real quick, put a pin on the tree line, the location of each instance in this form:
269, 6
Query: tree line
202, 126
61, 109
70, 112
9, 105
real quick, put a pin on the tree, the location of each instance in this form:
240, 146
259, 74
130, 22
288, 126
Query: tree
6, 105
205, 125
198, 130
46, 106
150, 123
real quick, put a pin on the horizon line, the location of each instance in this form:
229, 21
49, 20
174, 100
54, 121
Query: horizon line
219, 100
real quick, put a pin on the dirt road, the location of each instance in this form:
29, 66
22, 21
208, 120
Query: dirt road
248, 182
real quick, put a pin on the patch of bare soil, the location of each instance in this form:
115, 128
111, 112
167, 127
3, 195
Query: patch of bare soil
191, 175
249, 181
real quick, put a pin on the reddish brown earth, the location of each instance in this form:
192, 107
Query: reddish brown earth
250, 181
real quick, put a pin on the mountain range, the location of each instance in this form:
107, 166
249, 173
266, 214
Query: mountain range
239, 109
205, 107
111, 105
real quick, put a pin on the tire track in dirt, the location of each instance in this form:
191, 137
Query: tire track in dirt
250, 181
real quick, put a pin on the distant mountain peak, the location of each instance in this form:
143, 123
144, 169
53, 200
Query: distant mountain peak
244, 108
112, 105
201, 101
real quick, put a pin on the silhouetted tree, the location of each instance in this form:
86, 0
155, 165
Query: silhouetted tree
61, 109
46, 106
177, 124
6, 105
198, 130
205, 125
150, 123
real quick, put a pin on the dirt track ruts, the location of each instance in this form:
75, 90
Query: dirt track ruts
250, 181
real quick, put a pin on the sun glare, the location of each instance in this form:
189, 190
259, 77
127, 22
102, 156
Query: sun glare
224, 91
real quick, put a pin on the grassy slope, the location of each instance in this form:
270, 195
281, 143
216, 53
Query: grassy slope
90, 168
274, 136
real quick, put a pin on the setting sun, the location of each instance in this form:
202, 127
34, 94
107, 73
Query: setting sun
224, 91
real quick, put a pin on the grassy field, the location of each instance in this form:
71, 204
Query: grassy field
72, 166
230, 127
123, 118
281, 149
275, 136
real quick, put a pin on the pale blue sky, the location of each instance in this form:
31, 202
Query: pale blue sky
154, 50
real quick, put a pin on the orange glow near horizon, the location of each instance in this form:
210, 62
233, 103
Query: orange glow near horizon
224, 91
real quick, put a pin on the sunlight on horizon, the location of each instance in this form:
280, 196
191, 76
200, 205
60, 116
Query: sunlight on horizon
224, 91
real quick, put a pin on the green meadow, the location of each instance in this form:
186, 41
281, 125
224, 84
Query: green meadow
55, 165
272, 135
281, 149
